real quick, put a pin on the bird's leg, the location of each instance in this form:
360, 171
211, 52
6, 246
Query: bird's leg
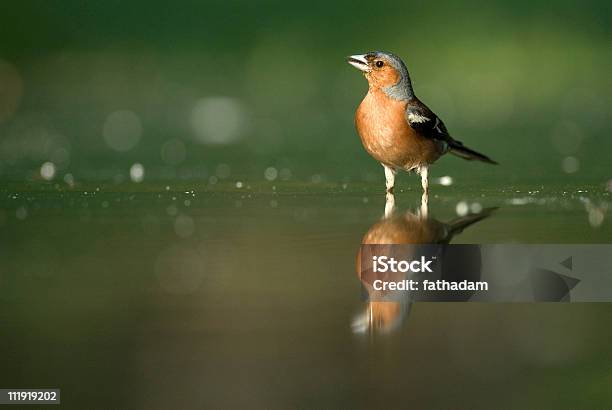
389, 205
424, 171
424, 205
390, 178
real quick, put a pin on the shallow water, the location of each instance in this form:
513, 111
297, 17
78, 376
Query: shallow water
160, 296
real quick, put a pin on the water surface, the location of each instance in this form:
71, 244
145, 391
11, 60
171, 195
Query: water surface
157, 296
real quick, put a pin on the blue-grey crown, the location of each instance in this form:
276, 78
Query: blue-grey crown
403, 89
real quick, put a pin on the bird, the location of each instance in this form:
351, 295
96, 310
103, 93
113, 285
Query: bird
395, 127
386, 310
418, 227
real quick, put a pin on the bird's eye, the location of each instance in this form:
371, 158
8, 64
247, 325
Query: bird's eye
379, 64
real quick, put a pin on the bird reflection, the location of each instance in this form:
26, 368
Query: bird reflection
407, 228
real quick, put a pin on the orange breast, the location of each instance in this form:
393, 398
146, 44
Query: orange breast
387, 136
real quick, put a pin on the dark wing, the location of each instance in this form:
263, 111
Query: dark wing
423, 120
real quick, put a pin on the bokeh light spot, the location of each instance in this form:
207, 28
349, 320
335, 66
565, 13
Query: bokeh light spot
122, 130
445, 180
596, 217
570, 165
172, 210
218, 120
271, 173
47, 171
285, 174
137, 172
69, 179
462, 208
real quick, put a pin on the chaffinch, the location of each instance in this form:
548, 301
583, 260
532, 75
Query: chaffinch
395, 127
404, 228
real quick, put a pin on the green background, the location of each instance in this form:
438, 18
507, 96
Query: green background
525, 82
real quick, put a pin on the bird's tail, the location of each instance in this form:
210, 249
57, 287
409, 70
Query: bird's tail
457, 225
464, 152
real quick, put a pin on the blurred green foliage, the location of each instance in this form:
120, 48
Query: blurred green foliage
525, 82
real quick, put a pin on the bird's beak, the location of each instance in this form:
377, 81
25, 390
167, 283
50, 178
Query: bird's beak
359, 61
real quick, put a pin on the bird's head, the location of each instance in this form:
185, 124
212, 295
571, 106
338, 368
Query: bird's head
384, 71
